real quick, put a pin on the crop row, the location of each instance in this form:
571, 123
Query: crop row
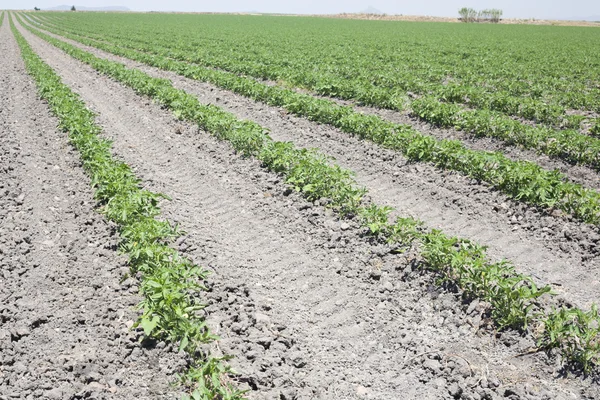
390, 56
389, 93
437, 108
513, 297
170, 282
522, 180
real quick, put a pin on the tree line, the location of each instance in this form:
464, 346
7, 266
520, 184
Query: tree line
471, 15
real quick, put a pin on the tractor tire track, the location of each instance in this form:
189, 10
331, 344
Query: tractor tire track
552, 248
64, 314
307, 306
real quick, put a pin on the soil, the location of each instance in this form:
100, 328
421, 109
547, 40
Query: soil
427, 18
308, 307
64, 314
551, 247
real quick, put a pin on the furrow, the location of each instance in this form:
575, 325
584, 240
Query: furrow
296, 293
550, 248
64, 314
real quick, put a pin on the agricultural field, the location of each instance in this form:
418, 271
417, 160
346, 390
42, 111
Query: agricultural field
261, 207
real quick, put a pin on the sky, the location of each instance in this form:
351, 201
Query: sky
539, 9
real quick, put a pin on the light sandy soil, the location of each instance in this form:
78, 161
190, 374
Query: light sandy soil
64, 312
310, 308
552, 248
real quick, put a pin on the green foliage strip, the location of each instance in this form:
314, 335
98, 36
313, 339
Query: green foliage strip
170, 310
513, 297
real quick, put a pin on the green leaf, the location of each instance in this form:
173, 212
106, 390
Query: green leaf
184, 342
148, 325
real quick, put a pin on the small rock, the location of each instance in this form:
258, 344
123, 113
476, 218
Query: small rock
20, 332
288, 394
19, 368
375, 274
455, 390
96, 386
433, 365
4, 335
137, 352
361, 390
297, 360
262, 319
344, 226
264, 342
493, 382
440, 383
54, 394
503, 206
472, 306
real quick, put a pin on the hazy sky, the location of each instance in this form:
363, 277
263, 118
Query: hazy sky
540, 9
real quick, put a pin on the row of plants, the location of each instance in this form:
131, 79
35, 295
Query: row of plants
568, 145
170, 282
397, 48
376, 83
513, 298
522, 180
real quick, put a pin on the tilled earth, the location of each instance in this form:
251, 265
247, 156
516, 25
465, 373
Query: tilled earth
551, 247
64, 315
308, 307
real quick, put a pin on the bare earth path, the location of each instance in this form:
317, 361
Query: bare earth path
309, 309
64, 316
551, 248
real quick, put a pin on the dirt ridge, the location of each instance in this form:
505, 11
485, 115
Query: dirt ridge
551, 248
64, 314
310, 309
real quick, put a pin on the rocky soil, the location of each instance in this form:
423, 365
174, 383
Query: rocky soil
309, 308
551, 247
64, 312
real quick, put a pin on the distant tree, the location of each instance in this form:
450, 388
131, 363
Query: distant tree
36, 8
483, 15
467, 14
73, 8
471, 15
495, 15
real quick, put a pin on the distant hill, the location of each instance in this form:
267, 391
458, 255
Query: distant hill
372, 10
591, 18
83, 8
